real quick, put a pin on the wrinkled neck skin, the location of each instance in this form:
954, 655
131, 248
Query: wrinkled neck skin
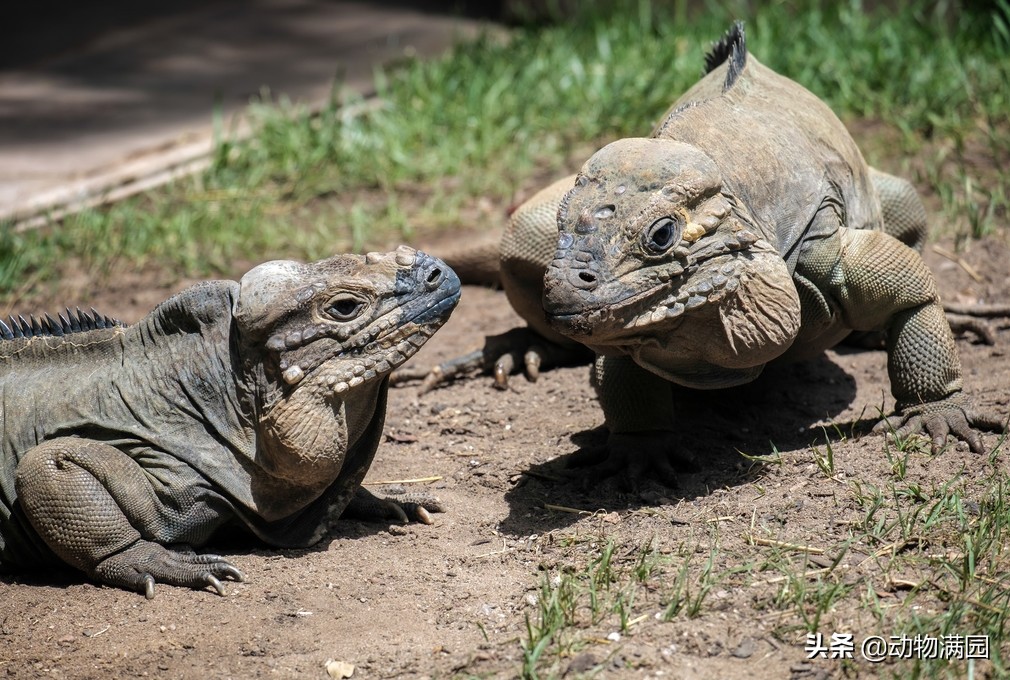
727, 319
307, 431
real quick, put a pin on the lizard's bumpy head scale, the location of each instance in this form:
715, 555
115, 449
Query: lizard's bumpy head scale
346, 320
642, 217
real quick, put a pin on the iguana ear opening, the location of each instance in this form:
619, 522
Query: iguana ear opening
267, 294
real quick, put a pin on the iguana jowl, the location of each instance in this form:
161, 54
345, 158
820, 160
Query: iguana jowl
746, 229
256, 404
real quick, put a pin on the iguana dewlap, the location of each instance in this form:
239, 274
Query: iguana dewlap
255, 405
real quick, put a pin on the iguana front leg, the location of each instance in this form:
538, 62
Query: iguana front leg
638, 410
96, 509
905, 219
880, 283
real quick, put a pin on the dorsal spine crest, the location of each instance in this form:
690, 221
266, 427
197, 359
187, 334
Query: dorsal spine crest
18, 327
732, 48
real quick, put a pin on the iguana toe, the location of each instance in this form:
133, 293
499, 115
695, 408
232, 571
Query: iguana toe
532, 360
503, 368
438, 375
939, 419
406, 508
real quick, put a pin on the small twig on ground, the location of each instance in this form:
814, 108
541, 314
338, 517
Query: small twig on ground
899, 546
563, 508
757, 540
504, 549
806, 574
418, 480
959, 261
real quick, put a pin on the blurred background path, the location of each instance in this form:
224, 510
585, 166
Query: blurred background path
101, 100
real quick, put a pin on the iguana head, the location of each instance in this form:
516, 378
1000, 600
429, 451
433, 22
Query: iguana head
317, 341
645, 237
345, 320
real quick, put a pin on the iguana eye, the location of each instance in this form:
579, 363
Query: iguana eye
345, 309
662, 235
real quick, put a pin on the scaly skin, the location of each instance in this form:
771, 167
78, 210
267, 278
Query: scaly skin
254, 406
747, 229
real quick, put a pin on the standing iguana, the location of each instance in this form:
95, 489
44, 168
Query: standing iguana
746, 229
256, 404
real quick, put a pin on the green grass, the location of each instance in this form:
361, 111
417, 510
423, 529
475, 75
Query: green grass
486, 119
924, 558
609, 591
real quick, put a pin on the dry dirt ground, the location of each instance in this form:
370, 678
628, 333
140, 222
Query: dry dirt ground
453, 599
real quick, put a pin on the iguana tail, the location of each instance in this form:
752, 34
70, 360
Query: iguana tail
476, 264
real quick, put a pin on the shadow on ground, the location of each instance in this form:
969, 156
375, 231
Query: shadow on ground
723, 430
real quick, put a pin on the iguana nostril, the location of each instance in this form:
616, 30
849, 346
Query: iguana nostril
585, 280
434, 277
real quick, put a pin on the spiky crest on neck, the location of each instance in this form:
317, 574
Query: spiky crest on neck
46, 326
732, 48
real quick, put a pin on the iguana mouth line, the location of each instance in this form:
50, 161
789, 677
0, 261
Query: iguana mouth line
643, 309
432, 314
615, 305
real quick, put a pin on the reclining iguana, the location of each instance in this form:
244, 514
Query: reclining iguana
255, 405
746, 229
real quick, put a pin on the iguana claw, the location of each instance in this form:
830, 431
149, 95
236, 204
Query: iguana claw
941, 418
413, 506
144, 564
535, 356
213, 581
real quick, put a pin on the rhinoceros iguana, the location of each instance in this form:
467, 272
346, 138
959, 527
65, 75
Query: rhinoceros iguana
255, 405
747, 229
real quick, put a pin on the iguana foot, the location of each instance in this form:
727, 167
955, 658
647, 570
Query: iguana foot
633, 458
939, 418
444, 372
520, 349
144, 563
408, 506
